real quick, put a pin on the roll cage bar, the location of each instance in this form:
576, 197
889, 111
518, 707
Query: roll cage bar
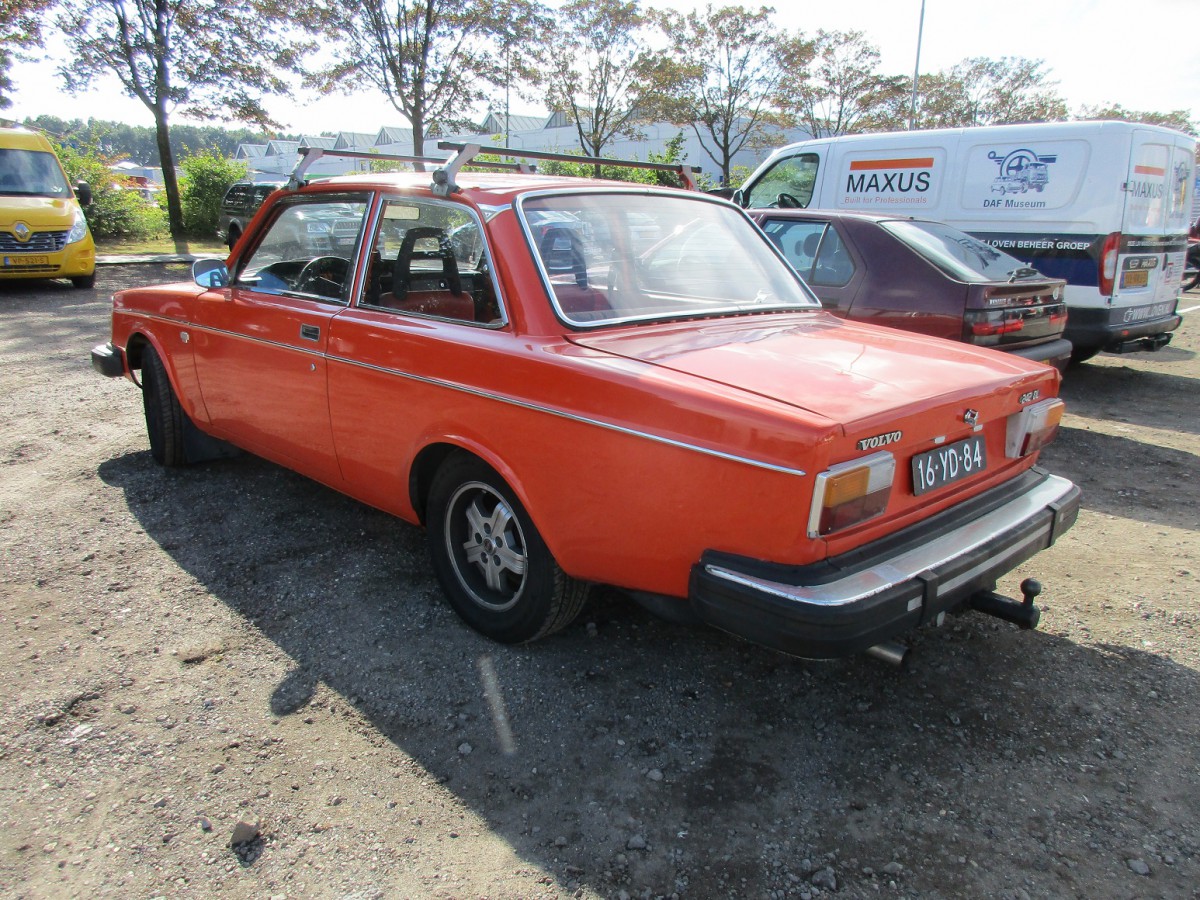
446, 175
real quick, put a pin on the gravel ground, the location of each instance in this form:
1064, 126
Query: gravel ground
230, 681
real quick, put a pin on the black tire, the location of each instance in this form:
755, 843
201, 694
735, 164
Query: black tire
493, 565
1082, 354
1191, 279
84, 281
164, 416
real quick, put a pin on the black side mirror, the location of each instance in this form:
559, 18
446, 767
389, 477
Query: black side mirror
210, 273
739, 198
83, 191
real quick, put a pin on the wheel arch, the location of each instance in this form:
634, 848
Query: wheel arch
431, 457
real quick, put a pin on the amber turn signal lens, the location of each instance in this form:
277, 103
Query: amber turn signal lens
851, 492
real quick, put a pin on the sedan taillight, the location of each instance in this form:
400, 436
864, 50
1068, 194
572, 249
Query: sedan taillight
851, 492
1033, 428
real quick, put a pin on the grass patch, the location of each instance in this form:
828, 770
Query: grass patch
156, 246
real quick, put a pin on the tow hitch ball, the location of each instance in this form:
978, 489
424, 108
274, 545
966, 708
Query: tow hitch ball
1023, 614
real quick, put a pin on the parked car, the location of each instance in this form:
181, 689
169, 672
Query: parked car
239, 205
923, 276
43, 230
682, 421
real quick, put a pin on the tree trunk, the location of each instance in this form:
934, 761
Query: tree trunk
418, 133
162, 134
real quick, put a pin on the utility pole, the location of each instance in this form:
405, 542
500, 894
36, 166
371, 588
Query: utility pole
912, 110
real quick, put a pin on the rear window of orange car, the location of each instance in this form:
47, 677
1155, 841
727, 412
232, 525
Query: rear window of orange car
612, 256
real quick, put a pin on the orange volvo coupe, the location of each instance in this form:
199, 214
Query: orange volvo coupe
570, 382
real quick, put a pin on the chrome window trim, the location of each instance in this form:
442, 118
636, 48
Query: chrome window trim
376, 217
570, 322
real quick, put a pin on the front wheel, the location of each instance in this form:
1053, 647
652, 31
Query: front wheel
84, 282
164, 415
493, 565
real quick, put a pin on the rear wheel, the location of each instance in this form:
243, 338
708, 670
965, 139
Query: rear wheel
492, 563
164, 415
1082, 354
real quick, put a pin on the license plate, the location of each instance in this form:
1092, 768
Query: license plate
27, 260
946, 465
1135, 279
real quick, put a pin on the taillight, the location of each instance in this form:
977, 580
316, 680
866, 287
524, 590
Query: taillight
1108, 263
1033, 428
851, 492
985, 326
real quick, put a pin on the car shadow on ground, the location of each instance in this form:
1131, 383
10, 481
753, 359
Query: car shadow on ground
645, 755
1157, 485
1133, 396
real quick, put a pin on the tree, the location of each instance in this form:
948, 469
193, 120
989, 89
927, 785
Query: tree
596, 63
721, 78
433, 59
206, 178
117, 209
137, 142
982, 91
841, 90
20, 29
201, 58
1179, 119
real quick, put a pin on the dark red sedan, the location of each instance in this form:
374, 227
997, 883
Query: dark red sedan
923, 276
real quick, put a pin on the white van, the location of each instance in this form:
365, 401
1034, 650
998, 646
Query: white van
1104, 205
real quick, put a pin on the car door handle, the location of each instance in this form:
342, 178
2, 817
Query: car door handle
310, 332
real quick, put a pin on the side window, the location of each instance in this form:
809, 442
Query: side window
792, 178
799, 242
834, 267
236, 196
307, 250
430, 259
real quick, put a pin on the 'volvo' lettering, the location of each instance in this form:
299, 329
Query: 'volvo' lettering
880, 440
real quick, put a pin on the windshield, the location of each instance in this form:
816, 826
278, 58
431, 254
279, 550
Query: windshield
32, 173
615, 257
959, 255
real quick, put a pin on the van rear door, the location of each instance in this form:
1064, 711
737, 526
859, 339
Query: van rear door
1158, 194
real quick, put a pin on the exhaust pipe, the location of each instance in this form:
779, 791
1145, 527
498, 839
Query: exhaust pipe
890, 652
1021, 613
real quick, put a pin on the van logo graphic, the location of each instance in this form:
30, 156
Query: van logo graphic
22, 232
889, 176
1183, 174
1021, 171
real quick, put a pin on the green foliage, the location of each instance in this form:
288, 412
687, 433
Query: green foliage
118, 209
671, 155
1179, 119
139, 143
206, 178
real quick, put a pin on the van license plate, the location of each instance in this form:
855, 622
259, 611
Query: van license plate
26, 260
1135, 279
945, 465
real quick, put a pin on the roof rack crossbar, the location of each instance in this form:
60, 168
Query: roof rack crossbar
686, 173
309, 155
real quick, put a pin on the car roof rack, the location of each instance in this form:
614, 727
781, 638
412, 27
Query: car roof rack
309, 155
444, 179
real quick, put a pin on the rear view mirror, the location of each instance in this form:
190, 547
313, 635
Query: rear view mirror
83, 191
210, 273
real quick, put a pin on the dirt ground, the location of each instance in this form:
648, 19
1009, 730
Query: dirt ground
231, 653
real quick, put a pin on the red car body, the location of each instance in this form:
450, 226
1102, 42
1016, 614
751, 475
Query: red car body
670, 446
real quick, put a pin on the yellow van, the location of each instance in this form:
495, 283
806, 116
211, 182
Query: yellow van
43, 232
